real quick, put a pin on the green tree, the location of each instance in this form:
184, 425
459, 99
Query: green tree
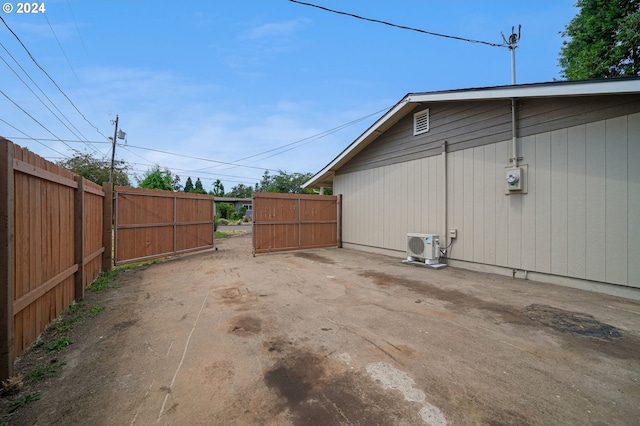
198, 188
188, 185
218, 189
96, 170
283, 182
240, 191
157, 178
224, 210
603, 40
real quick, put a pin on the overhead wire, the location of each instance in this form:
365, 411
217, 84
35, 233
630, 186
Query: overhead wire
44, 94
73, 16
197, 158
320, 135
43, 103
66, 57
32, 138
304, 141
36, 120
234, 163
50, 78
399, 26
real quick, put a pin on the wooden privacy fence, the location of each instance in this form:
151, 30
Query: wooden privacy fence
55, 239
284, 222
151, 223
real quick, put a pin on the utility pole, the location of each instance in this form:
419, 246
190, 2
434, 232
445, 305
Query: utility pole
113, 148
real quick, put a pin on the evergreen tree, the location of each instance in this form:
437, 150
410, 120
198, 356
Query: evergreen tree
188, 185
198, 188
603, 40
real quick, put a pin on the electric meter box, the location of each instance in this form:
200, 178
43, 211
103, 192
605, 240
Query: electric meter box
514, 177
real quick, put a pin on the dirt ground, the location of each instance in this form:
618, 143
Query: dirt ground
339, 337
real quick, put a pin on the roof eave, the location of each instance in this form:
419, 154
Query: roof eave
537, 90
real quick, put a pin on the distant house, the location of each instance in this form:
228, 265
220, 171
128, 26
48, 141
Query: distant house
237, 203
438, 163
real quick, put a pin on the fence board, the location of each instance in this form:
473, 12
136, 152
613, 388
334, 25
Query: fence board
151, 224
41, 264
283, 222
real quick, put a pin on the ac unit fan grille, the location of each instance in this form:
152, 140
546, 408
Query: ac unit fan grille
416, 245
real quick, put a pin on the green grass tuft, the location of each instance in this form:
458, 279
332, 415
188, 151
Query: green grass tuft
24, 400
43, 371
59, 344
95, 310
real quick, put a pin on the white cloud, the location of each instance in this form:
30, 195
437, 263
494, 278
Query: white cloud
278, 29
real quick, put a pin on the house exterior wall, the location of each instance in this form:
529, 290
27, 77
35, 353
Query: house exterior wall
580, 218
380, 205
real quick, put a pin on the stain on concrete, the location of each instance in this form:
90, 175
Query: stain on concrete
314, 390
237, 295
571, 322
245, 325
455, 298
593, 334
314, 257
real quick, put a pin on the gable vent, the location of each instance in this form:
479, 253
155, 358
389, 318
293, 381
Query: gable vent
421, 122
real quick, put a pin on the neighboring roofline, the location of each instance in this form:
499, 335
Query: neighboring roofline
411, 100
223, 199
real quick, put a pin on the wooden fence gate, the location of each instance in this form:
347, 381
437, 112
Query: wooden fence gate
151, 223
283, 222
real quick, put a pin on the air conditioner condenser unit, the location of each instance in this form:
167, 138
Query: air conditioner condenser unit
423, 248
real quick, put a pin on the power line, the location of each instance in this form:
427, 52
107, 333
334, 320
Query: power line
234, 163
64, 53
77, 29
32, 138
58, 140
34, 119
198, 158
42, 102
400, 26
304, 141
66, 57
313, 137
43, 93
50, 78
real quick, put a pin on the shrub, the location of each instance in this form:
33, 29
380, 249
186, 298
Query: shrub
223, 222
235, 216
224, 210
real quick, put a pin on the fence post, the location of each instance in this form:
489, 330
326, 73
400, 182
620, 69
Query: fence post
6, 258
107, 222
78, 238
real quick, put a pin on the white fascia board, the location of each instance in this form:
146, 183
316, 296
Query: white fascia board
616, 86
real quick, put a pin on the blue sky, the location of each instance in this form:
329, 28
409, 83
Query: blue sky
224, 80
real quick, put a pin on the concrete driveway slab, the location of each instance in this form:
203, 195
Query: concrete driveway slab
341, 337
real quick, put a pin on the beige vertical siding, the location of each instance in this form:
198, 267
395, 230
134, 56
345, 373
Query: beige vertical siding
380, 206
579, 219
633, 162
